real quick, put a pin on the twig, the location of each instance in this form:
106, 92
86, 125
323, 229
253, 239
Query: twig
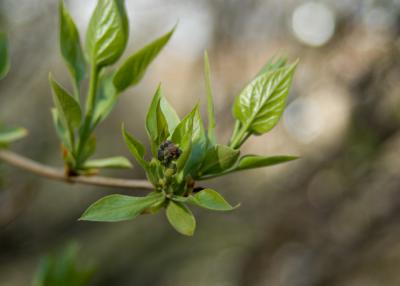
58, 174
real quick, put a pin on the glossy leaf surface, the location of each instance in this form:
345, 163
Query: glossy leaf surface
255, 161
120, 207
12, 134
181, 218
260, 105
134, 68
107, 33
112, 162
136, 148
68, 108
210, 199
70, 45
218, 159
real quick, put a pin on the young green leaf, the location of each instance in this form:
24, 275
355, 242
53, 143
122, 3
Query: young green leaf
153, 171
71, 46
210, 199
170, 114
218, 159
210, 104
260, 105
156, 123
67, 107
273, 64
162, 125
119, 207
181, 218
255, 161
151, 118
89, 149
136, 148
61, 129
10, 135
4, 57
106, 99
199, 143
134, 68
112, 162
107, 33
184, 127
183, 135
186, 147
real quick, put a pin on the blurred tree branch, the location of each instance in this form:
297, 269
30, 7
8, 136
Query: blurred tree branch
58, 174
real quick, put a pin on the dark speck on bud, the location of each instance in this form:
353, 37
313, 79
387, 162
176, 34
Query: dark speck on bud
168, 152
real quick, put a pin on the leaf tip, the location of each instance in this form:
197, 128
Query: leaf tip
238, 205
174, 28
295, 63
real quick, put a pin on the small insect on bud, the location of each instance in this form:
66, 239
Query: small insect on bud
168, 152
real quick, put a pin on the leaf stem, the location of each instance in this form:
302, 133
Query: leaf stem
90, 104
240, 138
91, 99
248, 134
76, 93
235, 131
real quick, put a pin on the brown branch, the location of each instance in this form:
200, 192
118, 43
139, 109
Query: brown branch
58, 174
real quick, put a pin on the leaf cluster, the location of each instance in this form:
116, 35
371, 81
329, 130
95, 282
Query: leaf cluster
75, 120
185, 151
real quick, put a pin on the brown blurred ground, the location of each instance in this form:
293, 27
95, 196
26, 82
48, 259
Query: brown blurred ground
331, 218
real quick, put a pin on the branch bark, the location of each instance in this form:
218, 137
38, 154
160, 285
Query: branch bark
59, 175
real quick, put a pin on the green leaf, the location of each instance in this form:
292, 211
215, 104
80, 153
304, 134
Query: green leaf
63, 269
183, 135
273, 64
186, 148
210, 199
210, 104
154, 171
162, 125
89, 149
61, 129
218, 159
106, 99
181, 218
170, 114
156, 123
136, 148
67, 107
199, 143
184, 127
10, 135
255, 161
71, 46
134, 68
119, 207
112, 162
107, 33
151, 118
260, 105
4, 56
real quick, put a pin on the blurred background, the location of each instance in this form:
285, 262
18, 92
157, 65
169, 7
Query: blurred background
330, 218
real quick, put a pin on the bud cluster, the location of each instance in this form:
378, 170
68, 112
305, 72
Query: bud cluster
168, 152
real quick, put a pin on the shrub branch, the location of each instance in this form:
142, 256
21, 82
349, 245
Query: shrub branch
59, 174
